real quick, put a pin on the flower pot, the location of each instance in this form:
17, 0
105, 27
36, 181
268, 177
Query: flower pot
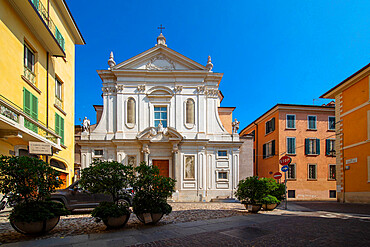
116, 222
254, 208
269, 207
35, 228
155, 217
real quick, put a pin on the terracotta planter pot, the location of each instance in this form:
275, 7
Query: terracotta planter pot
116, 222
154, 216
269, 207
35, 228
254, 208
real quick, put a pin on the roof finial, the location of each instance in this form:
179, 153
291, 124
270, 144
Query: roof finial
161, 40
209, 65
111, 61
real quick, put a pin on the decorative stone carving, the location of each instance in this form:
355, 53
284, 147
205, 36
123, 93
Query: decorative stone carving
86, 125
8, 113
161, 40
177, 89
189, 167
175, 148
145, 149
111, 61
201, 89
141, 88
109, 89
235, 125
162, 63
209, 65
119, 88
212, 92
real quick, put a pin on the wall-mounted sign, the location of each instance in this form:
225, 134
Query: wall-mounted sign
39, 148
351, 161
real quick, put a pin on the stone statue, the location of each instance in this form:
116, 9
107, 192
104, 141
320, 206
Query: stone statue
189, 167
85, 125
235, 125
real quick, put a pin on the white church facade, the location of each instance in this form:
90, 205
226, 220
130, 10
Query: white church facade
163, 108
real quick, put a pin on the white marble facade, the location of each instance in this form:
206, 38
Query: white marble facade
161, 106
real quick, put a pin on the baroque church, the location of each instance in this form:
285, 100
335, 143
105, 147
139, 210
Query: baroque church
164, 108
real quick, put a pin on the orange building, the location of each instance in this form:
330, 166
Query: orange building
306, 133
352, 112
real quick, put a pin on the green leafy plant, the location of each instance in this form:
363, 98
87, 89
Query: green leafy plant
109, 209
112, 178
31, 182
269, 199
279, 192
250, 190
152, 190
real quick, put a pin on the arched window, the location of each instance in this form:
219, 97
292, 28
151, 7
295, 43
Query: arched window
131, 111
190, 111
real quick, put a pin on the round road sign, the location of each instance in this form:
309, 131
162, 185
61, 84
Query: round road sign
285, 160
277, 175
285, 168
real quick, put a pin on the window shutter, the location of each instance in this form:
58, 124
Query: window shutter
57, 130
293, 145
317, 146
273, 124
306, 145
62, 129
273, 147
264, 150
26, 101
327, 147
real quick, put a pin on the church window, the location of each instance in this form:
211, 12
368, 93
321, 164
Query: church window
131, 111
222, 175
160, 115
98, 152
222, 153
190, 113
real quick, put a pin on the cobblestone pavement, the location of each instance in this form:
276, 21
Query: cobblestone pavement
83, 223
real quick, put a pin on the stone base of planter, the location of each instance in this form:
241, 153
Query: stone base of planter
155, 217
254, 208
35, 228
116, 222
269, 207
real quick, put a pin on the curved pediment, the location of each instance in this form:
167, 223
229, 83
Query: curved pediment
159, 134
160, 91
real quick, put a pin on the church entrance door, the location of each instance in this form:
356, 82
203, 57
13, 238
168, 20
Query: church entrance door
163, 166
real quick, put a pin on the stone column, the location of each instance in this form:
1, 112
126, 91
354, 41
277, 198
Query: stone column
146, 152
175, 151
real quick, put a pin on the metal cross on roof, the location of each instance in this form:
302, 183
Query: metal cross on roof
161, 28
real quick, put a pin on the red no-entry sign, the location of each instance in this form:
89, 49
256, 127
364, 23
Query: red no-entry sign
285, 160
277, 175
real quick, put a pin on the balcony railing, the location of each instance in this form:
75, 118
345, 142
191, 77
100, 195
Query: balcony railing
49, 22
29, 75
59, 102
17, 114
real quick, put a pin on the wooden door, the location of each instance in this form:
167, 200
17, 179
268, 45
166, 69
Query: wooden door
163, 166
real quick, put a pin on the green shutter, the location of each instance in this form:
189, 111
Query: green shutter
62, 129
327, 147
57, 130
26, 101
317, 146
306, 146
273, 147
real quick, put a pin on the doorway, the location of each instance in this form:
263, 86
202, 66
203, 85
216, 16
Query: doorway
163, 166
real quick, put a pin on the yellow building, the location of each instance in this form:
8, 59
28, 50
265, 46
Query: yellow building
37, 83
352, 112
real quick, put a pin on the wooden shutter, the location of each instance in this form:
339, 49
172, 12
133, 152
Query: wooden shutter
306, 143
273, 147
317, 146
327, 147
272, 124
264, 150
62, 129
57, 129
26, 101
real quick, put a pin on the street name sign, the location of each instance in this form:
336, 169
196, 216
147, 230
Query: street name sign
277, 175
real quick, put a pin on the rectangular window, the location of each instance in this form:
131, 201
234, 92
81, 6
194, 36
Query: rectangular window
269, 149
312, 173
312, 122
58, 89
291, 193
332, 172
332, 194
222, 153
290, 142
291, 172
29, 59
312, 146
330, 147
30, 107
331, 123
160, 115
270, 126
253, 133
98, 152
59, 127
290, 121
222, 175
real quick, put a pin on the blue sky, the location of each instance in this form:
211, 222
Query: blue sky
269, 51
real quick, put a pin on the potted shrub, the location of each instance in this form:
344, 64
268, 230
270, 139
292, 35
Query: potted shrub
250, 191
269, 202
151, 193
111, 178
31, 181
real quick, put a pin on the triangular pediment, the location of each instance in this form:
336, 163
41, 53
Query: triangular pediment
159, 58
159, 134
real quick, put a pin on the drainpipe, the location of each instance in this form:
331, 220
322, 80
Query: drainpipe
47, 89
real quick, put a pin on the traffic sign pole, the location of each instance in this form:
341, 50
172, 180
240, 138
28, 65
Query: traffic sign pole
286, 197
285, 161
